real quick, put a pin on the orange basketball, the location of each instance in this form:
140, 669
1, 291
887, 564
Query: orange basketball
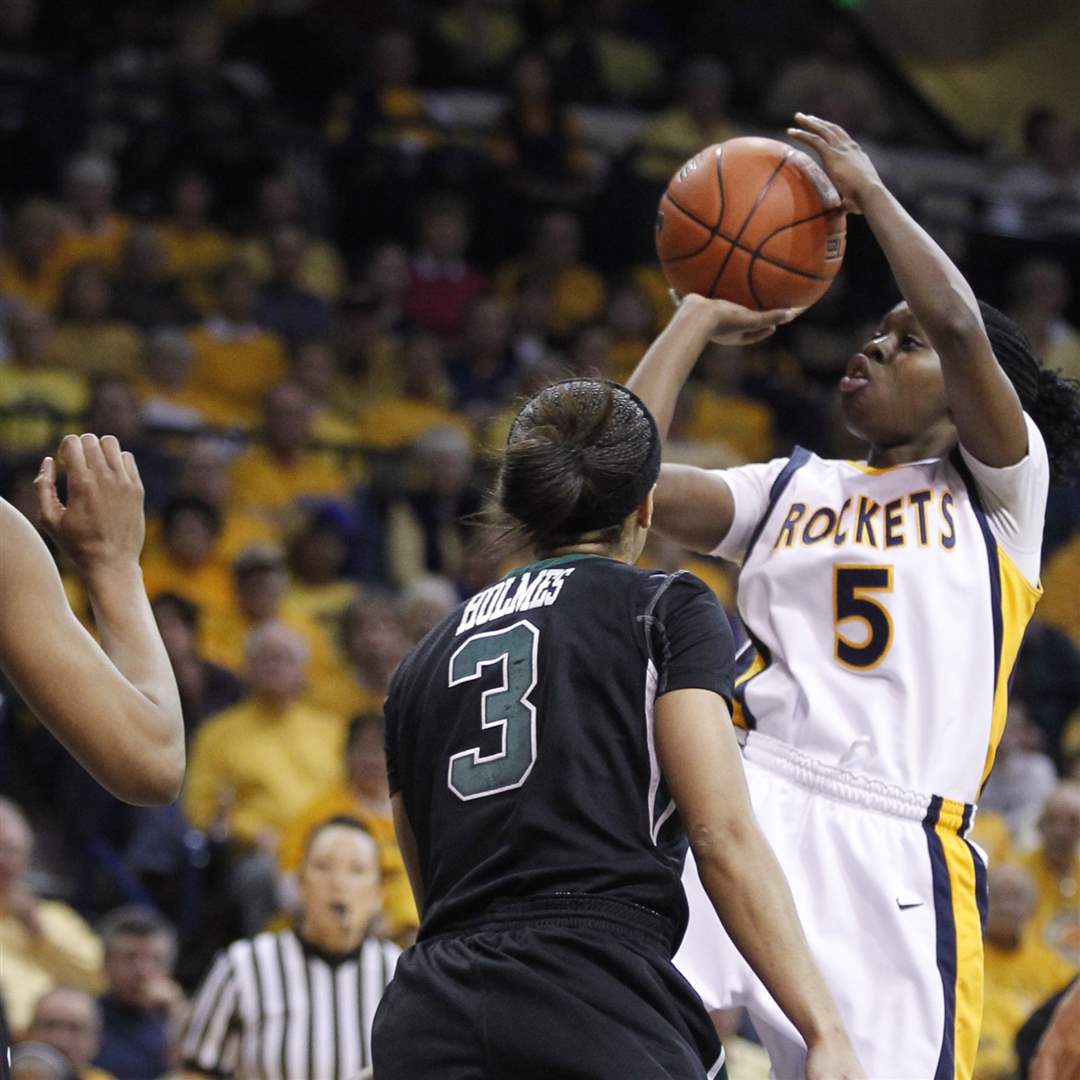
753, 221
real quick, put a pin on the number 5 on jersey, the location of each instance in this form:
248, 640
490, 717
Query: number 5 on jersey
850, 583
472, 775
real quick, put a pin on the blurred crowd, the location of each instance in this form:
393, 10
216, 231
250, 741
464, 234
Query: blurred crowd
302, 257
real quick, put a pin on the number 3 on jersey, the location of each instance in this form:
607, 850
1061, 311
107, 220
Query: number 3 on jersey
472, 775
850, 583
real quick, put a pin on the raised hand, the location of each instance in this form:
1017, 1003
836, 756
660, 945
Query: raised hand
849, 166
733, 324
102, 523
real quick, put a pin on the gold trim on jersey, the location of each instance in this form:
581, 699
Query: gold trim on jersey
738, 714
1018, 600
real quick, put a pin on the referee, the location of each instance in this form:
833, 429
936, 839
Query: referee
298, 1005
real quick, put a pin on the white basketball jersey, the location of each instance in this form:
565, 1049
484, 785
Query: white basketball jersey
886, 608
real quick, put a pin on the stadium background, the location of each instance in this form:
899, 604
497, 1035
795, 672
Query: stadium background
302, 256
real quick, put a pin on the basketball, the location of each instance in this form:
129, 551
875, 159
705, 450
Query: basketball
753, 221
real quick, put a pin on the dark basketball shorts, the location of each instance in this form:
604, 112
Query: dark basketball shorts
529, 994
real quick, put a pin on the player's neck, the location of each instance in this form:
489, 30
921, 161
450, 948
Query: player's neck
621, 552
936, 442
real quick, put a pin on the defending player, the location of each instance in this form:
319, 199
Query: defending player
550, 746
115, 706
885, 601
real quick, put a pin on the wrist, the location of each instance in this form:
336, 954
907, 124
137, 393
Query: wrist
873, 195
104, 573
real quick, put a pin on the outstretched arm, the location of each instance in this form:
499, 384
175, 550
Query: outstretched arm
700, 761
983, 403
694, 507
115, 706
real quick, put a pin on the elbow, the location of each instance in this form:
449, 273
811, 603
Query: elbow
158, 781
720, 847
957, 328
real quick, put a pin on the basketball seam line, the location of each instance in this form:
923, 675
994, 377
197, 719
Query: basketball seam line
746, 221
755, 253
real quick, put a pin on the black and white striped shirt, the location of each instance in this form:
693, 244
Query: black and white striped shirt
274, 1008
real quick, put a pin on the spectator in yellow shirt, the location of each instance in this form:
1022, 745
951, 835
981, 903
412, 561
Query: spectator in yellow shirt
1055, 869
375, 642
256, 766
194, 249
29, 269
168, 399
334, 397
1020, 971
271, 479
577, 290
1060, 605
88, 339
260, 581
93, 230
235, 359
45, 396
184, 565
70, 1022
365, 795
43, 943
318, 551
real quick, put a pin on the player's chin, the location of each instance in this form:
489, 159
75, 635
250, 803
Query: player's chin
863, 413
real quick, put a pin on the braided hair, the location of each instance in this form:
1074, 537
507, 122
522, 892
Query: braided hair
1050, 399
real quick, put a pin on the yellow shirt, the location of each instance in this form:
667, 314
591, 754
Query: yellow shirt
1060, 604
1057, 911
322, 270
1017, 981
672, 138
238, 366
206, 408
69, 954
40, 290
104, 245
112, 348
991, 833
94, 1073
398, 903
58, 391
322, 604
262, 483
341, 693
396, 423
208, 586
578, 294
275, 764
193, 257
741, 423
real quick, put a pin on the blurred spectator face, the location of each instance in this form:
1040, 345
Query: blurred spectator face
114, 410
559, 240
532, 307
629, 313
276, 664
318, 555
445, 461
591, 354
169, 358
532, 78
424, 374
239, 294
1041, 285
134, 962
287, 247
1059, 824
34, 232
16, 843
278, 202
88, 186
177, 633
144, 257
259, 591
375, 641
388, 272
315, 369
191, 198
425, 604
190, 537
30, 331
204, 471
68, 1021
394, 59
288, 419
365, 759
445, 232
339, 887
87, 293
487, 328
1011, 905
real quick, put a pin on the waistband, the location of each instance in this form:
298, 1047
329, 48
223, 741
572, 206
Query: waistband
855, 788
575, 911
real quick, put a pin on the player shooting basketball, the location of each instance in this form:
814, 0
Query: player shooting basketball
885, 602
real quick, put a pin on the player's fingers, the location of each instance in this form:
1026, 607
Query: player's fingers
73, 458
814, 124
128, 460
49, 504
95, 459
752, 337
808, 138
110, 451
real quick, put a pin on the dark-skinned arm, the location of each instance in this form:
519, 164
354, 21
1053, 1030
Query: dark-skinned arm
982, 401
